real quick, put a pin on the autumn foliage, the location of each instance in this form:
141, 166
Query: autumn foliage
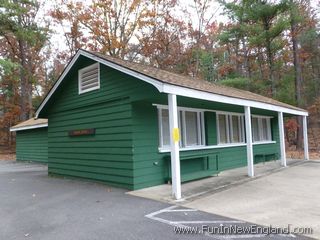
268, 47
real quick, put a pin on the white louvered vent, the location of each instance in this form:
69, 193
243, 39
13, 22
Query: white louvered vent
89, 78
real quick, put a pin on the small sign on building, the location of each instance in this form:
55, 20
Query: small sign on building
82, 132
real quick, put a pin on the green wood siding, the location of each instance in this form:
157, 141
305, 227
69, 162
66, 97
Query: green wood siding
151, 167
211, 133
32, 145
105, 156
269, 149
108, 155
124, 150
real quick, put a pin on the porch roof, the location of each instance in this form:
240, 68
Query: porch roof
168, 82
31, 123
193, 83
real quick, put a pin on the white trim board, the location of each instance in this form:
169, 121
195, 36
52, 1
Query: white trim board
169, 88
230, 145
163, 106
29, 127
192, 93
192, 109
142, 77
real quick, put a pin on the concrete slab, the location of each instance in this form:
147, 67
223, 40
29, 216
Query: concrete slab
200, 188
285, 197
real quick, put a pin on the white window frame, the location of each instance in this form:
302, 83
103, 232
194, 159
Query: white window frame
165, 149
200, 128
181, 116
269, 130
228, 117
160, 127
86, 69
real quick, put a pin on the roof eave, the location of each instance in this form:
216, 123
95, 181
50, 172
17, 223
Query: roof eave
169, 88
16, 129
155, 83
192, 93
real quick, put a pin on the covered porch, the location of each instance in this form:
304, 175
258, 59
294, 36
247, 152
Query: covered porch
248, 134
198, 189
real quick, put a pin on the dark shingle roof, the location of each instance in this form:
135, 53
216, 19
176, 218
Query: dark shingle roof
193, 83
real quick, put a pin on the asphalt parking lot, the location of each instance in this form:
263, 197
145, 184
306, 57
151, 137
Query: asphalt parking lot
35, 206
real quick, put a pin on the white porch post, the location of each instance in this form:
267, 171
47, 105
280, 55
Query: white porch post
247, 112
282, 140
174, 141
305, 138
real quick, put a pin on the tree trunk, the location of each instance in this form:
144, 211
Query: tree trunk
298, 78
24, 101
237, 63
246, 59
270, 63
29, 90
269, 57
260, 60
198, 53
316, 74
9, 136
300, 133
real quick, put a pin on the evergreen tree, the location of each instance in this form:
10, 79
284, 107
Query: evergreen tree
22, 39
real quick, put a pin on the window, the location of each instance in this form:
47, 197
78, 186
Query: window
191, 125
230, 128
89, 78
255, 129
261, 129
223, 133
164, 127
193, 128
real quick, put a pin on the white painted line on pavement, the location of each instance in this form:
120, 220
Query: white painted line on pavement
152, 216
182, 210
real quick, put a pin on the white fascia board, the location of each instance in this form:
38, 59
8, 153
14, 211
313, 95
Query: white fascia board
142, 77
162, 106
192, 93
228, 145
29, 127
125, 70
55, 86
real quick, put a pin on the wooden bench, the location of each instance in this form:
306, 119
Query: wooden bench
209, 162
265, 157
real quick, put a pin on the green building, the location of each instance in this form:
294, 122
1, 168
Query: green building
32, 140
135, 126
